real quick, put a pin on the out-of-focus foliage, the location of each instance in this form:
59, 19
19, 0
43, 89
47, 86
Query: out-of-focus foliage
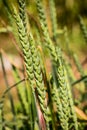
67, 10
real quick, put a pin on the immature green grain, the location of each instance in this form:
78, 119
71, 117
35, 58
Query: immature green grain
83, 28
27, 57
22, 12
41, 11
62, 86
57, 61
40, 51
37, 69
42, 63
56, 100
53, 19
70, 110
21, 24
71, 104
43, 22
25, 46
39, 80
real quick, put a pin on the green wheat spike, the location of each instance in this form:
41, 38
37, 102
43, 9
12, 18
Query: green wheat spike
83, 28
70, 99
22, 12
62, 86
57, 101
40, 52
41, 14
66, 91
21, 92
27, 57
41, 57
25, 46
37, 71
71, 104
44, 27
55, 59
39, 79
53, 19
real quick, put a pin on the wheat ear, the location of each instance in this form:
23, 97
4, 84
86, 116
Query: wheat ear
39, 80
27, 56
54, 57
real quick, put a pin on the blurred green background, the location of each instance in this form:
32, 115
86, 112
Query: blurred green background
67, 10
